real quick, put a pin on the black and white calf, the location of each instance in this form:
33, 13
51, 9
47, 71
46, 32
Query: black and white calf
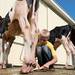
64, 35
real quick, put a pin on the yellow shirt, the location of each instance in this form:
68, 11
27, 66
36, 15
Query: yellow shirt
51, 48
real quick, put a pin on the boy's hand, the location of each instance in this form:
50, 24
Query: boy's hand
44, 67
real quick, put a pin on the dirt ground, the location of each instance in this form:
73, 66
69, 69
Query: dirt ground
16, 71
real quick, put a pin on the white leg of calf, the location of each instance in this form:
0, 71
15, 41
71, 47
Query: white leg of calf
67, 60
34, 30
6, 53
25, 27
66, 45
73, 60
1, 52
72, 47
27, 52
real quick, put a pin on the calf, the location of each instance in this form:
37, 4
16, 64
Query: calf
64, 35
25, 16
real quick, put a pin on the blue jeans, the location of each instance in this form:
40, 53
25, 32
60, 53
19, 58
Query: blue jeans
43, 54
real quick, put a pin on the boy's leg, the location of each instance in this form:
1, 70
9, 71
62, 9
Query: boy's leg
47, 55
39, 55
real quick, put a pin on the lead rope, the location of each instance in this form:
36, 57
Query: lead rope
68, 38
69, 34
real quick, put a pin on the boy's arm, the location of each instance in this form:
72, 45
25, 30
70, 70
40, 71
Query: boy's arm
53, 61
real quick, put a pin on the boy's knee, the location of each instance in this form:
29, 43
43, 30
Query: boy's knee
44, 48
39, 50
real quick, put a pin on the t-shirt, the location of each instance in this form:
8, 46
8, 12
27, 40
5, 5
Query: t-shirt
49, 44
